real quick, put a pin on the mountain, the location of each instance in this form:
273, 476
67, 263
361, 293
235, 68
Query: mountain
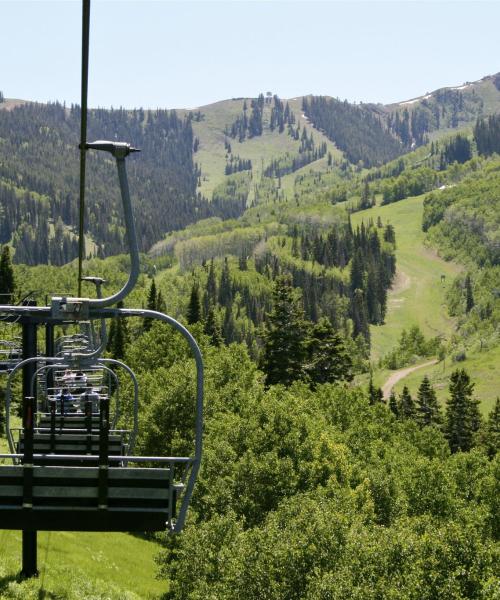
216, 160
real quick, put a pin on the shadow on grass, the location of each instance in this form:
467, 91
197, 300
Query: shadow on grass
19, 579
6, 581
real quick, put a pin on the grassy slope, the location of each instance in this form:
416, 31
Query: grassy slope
481, 366
419, 298
118, 561
211, 155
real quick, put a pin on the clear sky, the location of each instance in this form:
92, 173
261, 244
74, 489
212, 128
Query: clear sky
186, 54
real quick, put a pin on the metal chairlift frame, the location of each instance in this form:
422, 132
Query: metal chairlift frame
66, 310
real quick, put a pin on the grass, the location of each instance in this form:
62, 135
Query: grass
211, 156
418, 296
119, 564
115, 565
481, 366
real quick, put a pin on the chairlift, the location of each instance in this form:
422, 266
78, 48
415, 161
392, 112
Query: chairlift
78, 477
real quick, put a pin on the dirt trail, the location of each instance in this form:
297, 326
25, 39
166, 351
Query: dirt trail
401, 374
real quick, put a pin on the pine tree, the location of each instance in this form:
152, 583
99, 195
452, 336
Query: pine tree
151, 304
225, 291
375, 394
212, 327
329, 359
242, 262
211, 288
228, 327
194, 308
161, 305
118, 336
393, 404
7, 283
462, 413
286, 338
428, 411
357, 272
491, 437
360, 316
406, 405
469, 298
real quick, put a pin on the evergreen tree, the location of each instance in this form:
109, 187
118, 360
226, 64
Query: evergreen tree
357, 272
161, 305
285, 345
211, 288
194, 307
469, 298
329, 359
228, 327
491, 438
212, 327
428, 412
118, 336
360, 316
406, 405
151, 304
225, 291
7, 284
375, 394
242, 262
462, 419
393, 404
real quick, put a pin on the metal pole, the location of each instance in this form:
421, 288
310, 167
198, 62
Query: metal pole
83, 136
29, 553
49, 351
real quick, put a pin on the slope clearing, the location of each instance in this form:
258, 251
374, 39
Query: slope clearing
418, 294
261, 150
418, 298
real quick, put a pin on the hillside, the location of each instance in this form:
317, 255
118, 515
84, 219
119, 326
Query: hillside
212, 161
458, 108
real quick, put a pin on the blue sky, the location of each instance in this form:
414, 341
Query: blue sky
186, 54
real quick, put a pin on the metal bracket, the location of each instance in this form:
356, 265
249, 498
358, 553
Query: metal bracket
75, 309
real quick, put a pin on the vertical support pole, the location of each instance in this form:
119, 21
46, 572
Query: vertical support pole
29, 568
88, 424
53, 409
49, 351
103, 452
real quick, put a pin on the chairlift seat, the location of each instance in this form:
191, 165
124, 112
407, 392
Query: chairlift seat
64, 498
71, 443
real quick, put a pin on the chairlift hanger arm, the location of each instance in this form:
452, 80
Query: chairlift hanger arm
120, 150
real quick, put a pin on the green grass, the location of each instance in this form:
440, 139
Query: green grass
481, 366
420, 299
211, 156
117, 564
418, 296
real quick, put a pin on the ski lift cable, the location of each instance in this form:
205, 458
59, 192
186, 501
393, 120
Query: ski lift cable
83, 136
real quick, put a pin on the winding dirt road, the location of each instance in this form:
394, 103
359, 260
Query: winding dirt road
401, 374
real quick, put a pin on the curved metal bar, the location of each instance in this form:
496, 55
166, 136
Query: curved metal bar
117, 398
40, 369
131, 238
103, 334
199, 403
113, 361
19, 365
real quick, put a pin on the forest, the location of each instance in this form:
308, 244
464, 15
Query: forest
39, 184
314, 484
310, 488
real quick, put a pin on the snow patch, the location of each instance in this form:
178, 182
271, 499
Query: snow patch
416, 99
